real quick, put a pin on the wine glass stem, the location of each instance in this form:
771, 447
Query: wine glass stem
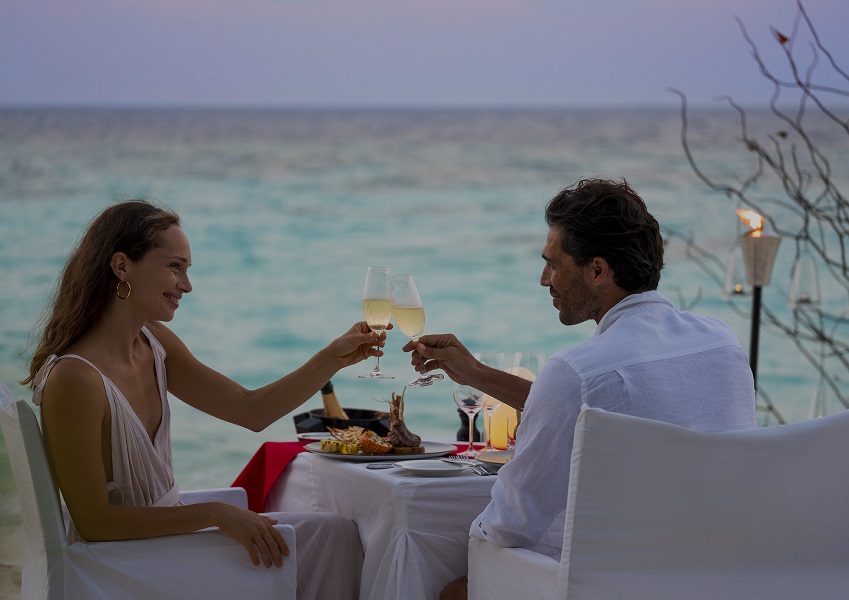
471, 449
419, 376
377, 362
488, 428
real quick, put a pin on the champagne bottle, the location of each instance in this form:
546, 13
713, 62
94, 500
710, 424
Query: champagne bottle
331, 404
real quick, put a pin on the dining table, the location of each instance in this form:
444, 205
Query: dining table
414, 526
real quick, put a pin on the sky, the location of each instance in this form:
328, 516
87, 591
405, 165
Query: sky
395, 53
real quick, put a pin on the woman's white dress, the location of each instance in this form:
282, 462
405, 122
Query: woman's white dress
329, 548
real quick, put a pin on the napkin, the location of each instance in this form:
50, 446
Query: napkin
264, 468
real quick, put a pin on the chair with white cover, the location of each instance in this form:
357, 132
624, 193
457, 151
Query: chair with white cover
204, 565
657, 511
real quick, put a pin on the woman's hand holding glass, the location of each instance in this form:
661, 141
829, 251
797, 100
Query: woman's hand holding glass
377, 306
357, 344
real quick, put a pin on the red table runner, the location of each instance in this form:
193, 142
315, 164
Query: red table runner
264, 468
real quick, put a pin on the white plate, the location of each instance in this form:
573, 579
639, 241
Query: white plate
312, 437
432, 450
431, 468
495, 458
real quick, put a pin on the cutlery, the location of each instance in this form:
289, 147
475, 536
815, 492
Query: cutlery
476, 466
458, 458
484, 470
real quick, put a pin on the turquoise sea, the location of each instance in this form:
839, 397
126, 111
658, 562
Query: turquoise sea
285, 210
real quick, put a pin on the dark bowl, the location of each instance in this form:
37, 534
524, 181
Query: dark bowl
314, 421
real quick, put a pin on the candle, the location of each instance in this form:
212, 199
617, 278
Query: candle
504, 419
498, 424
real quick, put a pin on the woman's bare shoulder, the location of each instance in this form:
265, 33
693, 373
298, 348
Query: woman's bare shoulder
72, 371
160, 332
170, 341
72, 382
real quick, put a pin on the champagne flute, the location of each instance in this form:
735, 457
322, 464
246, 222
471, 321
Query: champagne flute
489, 404
410, 318
377, 306
469, 400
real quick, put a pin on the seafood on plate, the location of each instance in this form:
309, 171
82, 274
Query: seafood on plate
355, 439
339, 446
402, 440
366, 440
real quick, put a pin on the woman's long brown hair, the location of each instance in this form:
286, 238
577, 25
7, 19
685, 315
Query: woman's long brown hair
87, 281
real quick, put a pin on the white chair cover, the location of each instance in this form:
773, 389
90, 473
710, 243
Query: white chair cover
204, 565
658, 511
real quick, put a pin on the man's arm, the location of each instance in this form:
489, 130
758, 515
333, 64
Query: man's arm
444, 351
532, 488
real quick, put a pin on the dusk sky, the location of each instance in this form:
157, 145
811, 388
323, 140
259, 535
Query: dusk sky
394, 52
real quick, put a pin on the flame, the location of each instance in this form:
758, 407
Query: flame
752, 220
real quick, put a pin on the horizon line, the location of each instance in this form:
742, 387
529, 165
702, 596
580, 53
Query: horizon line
717, 105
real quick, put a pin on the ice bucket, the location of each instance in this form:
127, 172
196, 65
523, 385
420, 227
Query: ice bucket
314, 421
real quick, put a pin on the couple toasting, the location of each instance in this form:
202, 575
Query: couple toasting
105, 413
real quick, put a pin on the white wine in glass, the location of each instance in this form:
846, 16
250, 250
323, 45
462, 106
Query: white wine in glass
410, 318
377, 307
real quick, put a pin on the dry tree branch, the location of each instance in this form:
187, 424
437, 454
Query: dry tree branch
791, 180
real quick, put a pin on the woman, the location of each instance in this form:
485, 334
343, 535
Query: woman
105, 412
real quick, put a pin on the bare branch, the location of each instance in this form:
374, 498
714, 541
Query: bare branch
811, 210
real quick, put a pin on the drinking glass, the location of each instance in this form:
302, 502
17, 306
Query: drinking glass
377, 306
488, 403
526, 365
468, 399
410, 318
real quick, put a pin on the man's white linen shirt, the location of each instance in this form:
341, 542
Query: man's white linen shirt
646, 359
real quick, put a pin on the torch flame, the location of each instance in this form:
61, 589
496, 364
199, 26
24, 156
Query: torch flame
752, 220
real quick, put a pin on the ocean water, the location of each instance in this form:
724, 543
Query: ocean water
285, 210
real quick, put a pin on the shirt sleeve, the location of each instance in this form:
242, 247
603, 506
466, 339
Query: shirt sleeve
531, 489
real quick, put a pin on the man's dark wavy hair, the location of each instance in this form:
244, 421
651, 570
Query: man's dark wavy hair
599, 217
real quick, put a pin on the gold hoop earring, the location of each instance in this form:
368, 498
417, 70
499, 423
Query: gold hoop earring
118, 290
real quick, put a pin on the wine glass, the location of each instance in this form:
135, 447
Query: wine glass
410, 318
468, 399
377, 306
489, 404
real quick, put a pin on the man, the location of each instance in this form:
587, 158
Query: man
603, 257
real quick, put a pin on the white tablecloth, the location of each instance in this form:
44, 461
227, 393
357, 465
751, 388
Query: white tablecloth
414, 530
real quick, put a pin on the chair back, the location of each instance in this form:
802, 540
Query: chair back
660, 511
44, 535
